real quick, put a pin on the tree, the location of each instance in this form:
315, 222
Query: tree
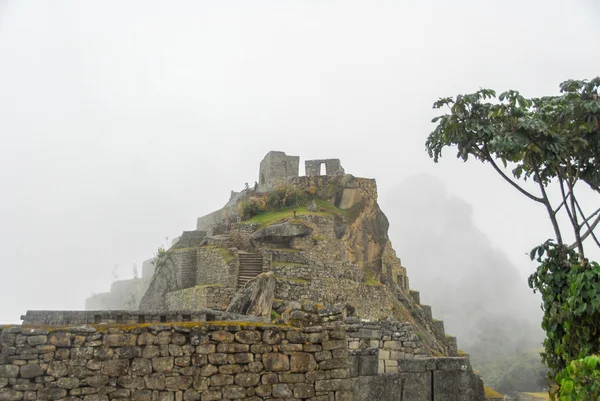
555, 142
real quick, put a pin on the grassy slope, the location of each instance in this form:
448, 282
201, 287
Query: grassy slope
273, 216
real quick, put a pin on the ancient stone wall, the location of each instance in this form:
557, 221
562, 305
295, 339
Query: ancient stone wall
213, 296
240, 234
190, 239
332, 167
214, 361
276, 167
184, 261
168, 363
216, 266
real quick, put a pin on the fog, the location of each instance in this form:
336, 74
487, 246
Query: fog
121, 122
472, 285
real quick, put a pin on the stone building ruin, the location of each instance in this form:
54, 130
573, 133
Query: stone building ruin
308, 302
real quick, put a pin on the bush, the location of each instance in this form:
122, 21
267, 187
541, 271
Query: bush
249, 209
581, 380
281, 197
285, 196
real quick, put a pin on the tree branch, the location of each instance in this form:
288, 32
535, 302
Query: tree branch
511, 182
590, 217
588, 226
590, 230
551, 214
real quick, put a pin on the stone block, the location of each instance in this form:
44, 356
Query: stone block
270, 378
221, 380
8, 394
247, 379
369, 333
217, 359
302, 362
394, 345
57, 369
131, 382
233, 392
303, 390
68, 383
141, 366
163, 338
208, 370
272, 337
223, 336
200, 383
248, 336
206, 348
231, 369
37, 340
260, 348
276, 362
115, 367
60, 339
48, 394
120, 394
178, 382
96, 381
230, 348
333, 364
281, 390
9, 371
211, 395
120, 340
334, 344
141, 395
163, 364
264, 390
191, 395
332, 385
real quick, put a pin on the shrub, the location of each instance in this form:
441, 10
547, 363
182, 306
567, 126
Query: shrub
581, 380
285, 196
249, 209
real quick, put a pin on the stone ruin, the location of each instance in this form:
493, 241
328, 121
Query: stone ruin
306, 303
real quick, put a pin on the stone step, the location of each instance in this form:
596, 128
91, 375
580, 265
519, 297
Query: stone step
416, 296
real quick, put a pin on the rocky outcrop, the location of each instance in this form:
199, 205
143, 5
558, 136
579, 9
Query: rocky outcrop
282, 231
256, 297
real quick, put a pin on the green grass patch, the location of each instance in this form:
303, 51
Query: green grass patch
226, 254
273, 216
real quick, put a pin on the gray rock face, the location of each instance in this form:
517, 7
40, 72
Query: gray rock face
256, 299
282, 230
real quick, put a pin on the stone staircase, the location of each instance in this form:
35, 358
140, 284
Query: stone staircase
251, 265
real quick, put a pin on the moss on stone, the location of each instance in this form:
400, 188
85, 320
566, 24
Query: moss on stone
225, 253
491, 393
128, 327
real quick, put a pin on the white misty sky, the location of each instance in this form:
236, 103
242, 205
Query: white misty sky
121, 122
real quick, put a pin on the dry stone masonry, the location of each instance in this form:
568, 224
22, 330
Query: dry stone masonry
333, 360
321, 274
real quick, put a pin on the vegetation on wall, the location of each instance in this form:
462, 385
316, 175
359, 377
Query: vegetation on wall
282, 196
555, 142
